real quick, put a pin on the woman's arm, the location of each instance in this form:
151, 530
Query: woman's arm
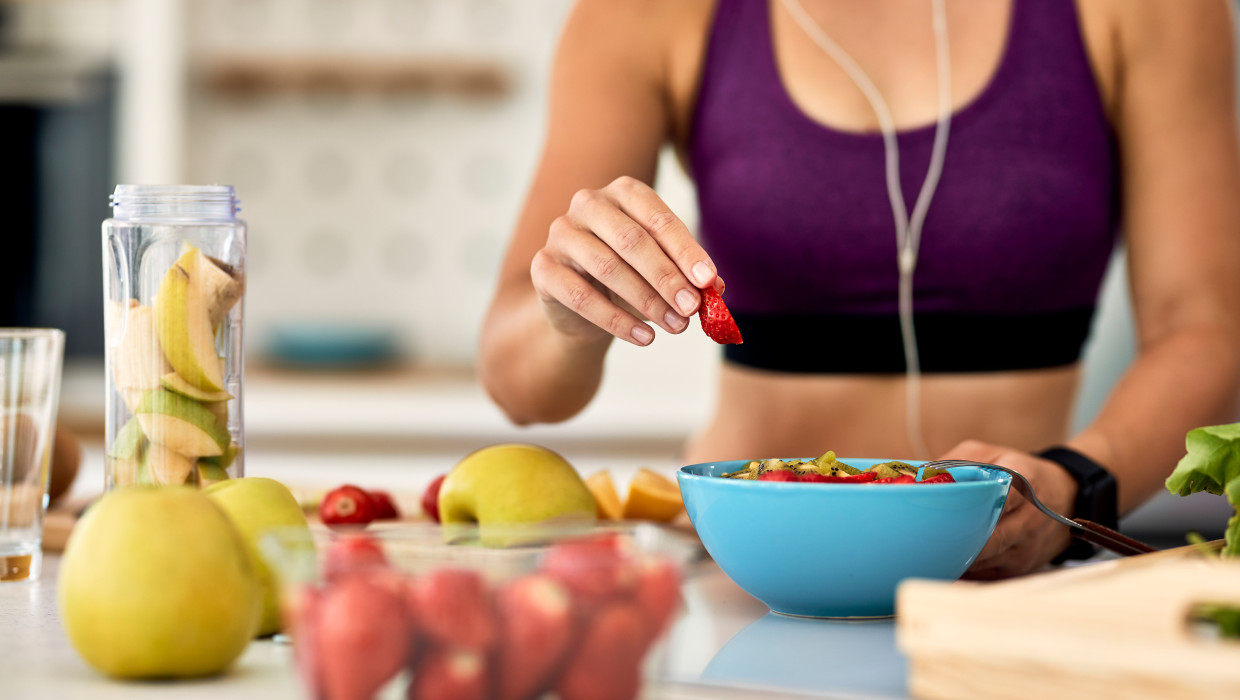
594, 243
1177, 129
1180, 169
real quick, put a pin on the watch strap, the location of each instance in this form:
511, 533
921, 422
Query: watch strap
1097, 496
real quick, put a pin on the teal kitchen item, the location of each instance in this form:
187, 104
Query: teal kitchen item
840, 550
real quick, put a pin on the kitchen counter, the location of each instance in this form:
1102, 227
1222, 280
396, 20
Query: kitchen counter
724, 645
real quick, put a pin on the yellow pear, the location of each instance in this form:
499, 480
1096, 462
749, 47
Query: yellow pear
156, 582
257, 506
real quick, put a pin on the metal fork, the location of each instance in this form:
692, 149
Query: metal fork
1087, 530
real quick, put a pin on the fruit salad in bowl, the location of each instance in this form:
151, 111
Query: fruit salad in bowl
829, 537
428, 612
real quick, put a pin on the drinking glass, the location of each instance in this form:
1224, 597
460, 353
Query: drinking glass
30, 366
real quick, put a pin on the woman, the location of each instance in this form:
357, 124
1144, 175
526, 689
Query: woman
1070, 121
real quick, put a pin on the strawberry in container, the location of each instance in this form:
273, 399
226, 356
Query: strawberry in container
401, 613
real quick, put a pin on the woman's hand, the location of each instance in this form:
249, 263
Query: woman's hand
1025, 538
619, 252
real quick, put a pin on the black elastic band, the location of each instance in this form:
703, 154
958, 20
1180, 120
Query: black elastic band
856, 344
1097, 496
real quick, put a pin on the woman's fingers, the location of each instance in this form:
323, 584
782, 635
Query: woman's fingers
629, 260
593, 257
643, 205
558, 282
632, 219
616, 247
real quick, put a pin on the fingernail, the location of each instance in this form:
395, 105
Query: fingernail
642, 335
703, 274
719, 285
675, 321
687, 302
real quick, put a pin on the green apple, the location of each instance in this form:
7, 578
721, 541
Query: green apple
156, 582
175, 382
183, 321
181, 424
514, 483
256, 506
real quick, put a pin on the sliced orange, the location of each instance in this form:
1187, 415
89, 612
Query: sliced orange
653, 496
605, 496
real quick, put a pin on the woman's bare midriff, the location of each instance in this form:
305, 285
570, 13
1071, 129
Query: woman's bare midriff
774, 414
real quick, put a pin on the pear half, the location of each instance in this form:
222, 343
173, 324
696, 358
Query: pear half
181, 424
187, 296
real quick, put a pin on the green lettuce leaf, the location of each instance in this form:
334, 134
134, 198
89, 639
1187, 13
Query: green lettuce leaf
1212, 461
1232, 536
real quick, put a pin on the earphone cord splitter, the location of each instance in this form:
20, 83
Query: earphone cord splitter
908, 228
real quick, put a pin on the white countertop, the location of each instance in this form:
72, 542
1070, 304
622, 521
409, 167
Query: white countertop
724, 645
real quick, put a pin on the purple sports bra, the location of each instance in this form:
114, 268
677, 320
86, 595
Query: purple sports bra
1016, 242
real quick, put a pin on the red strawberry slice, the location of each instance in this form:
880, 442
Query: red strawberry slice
430, 498
457, 674
346, 505
536, 626
452, 607
606, 664
902, 479
943, 478
717, 321
862, 477
778, 475
384, 507
657, 594
595, 569
363, 639
352, 554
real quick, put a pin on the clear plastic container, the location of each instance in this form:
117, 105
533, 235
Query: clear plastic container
174, 286
516, 612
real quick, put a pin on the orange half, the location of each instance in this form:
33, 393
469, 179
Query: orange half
653, 496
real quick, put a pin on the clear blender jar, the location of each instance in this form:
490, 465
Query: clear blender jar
174, 288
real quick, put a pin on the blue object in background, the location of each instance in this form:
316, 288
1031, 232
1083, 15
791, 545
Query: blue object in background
313, 345
839, 550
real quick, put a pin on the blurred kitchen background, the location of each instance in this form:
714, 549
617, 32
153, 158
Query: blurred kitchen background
381, 150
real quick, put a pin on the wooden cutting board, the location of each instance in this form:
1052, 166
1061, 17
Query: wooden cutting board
1120, 629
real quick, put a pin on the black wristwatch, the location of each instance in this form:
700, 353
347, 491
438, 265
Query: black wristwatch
1097, 496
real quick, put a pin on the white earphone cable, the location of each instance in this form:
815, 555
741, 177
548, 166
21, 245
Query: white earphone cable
908, 228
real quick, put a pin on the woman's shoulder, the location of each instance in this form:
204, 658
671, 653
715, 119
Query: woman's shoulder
659, 34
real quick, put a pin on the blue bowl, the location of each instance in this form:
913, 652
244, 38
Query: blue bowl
840, 550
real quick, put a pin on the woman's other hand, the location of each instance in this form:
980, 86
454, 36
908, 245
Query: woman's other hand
1025, 538
617, 254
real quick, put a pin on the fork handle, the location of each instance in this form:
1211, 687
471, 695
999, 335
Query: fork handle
1107, 538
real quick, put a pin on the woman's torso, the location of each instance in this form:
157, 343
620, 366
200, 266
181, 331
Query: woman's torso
765, 412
